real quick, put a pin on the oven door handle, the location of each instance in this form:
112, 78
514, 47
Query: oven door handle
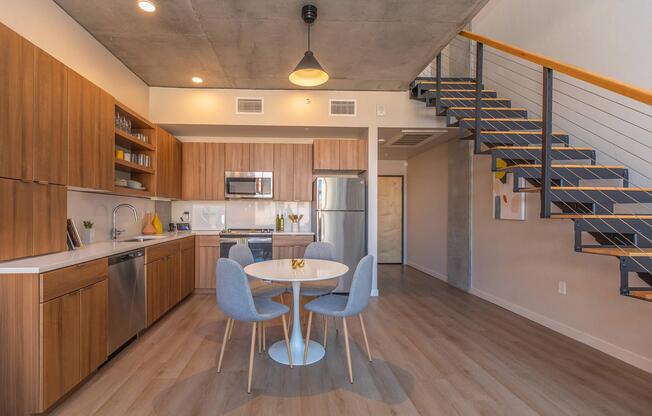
231, 240
258, 240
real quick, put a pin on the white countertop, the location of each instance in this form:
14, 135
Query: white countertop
293, 233
48, 262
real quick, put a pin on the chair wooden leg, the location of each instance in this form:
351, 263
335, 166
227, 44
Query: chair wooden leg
251, 356
305, 349
265, 337
364, 334
226, 338
348, 350
231, 328
287, 340
325, 321
260, 338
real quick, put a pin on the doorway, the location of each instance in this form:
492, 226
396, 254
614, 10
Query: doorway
390, 219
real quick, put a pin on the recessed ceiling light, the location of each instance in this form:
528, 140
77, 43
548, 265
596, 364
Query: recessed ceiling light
147, 6
197, 80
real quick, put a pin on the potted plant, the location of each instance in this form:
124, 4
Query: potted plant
89, 232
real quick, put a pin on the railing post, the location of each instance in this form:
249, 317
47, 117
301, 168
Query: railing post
546, 142
478, 96
438, 75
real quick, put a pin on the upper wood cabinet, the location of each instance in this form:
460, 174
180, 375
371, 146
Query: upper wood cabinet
16, 105
91, 113
330, 154
284, 172
302, 183
262, 157
203, 169
168, 165
35, 216
237, 157
50, 120
326, 154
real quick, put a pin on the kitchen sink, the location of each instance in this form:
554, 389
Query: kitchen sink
141, 238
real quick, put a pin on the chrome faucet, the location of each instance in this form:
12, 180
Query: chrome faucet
115, 233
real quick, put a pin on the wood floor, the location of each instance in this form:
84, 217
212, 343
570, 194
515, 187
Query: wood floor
437, 351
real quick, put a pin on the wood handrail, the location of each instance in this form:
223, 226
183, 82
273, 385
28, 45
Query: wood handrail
637, 93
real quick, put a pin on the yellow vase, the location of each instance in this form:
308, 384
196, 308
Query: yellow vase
157, 224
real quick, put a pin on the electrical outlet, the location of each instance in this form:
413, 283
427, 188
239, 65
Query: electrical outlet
562, 287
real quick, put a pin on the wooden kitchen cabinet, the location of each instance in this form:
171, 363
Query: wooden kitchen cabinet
290, 245
348, 155
164, 277
203, 171
91, 113
174, 279
187, 267
50, 145
35, 217
353, 155
284, 172
156, 282
50, 210
168, 165
237, 157
16, 105
302, 175
94, 306
262, 157
326, 154
61, 346
16, 208
208, 252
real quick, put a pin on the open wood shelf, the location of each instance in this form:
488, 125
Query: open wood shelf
126, 140
123, 190
125, 166
137, 121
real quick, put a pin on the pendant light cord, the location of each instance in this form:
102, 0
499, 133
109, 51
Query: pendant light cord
309, 35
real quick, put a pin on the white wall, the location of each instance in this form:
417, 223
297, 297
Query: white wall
427, 211
47, 26
518, 265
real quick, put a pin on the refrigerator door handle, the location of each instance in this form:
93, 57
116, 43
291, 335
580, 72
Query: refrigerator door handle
320, 227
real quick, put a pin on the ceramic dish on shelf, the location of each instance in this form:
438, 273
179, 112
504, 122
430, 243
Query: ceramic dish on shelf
121, 182
134, 184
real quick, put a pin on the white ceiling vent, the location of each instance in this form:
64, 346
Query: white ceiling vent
342, 108
413, 138
249, 105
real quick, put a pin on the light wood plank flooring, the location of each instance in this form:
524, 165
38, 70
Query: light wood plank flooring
437, 351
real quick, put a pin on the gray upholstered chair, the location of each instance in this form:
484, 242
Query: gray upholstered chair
319, 250
341, 306
234, 298
241, 253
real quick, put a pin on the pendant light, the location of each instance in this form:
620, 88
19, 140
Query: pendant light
308, 72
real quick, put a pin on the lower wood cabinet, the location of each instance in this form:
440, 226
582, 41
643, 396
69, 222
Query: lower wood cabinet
290, 246
167, 276
208, 252
73, 327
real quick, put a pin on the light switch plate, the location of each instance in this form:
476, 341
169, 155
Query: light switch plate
380, 110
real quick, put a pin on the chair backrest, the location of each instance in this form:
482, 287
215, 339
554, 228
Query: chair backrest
320, 250
360, 287
233, 291
242, 254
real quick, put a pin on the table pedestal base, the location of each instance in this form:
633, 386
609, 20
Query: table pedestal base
279, 353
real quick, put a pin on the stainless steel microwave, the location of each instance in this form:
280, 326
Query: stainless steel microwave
248, 185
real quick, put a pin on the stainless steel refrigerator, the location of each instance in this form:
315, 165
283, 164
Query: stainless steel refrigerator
340, 218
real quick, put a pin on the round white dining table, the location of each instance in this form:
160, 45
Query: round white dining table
281, 271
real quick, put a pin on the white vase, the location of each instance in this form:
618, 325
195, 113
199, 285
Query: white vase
295, 227
88, 235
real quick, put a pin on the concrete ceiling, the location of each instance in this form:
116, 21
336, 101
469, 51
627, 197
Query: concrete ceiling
362, 44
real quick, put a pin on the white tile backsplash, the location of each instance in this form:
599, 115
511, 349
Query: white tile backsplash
98, 208
205, 215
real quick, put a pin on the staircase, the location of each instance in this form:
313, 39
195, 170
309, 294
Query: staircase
515, 144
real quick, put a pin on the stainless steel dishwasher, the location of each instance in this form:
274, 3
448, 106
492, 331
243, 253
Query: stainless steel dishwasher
126, 297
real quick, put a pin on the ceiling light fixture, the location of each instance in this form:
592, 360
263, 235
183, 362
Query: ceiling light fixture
308, 72
197, 80
147, 6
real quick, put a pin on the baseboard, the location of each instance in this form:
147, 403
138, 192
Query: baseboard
620, 353
427, 271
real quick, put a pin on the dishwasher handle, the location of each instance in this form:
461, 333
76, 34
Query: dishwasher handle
122, 257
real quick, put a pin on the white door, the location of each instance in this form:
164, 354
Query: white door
390, 219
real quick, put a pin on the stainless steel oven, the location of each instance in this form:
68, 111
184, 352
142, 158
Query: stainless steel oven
259, 241
248, 185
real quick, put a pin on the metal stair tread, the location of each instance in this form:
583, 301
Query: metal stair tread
537, 165
490, 108
517, 131
505, 119
588, 188
601, 216
539, 148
